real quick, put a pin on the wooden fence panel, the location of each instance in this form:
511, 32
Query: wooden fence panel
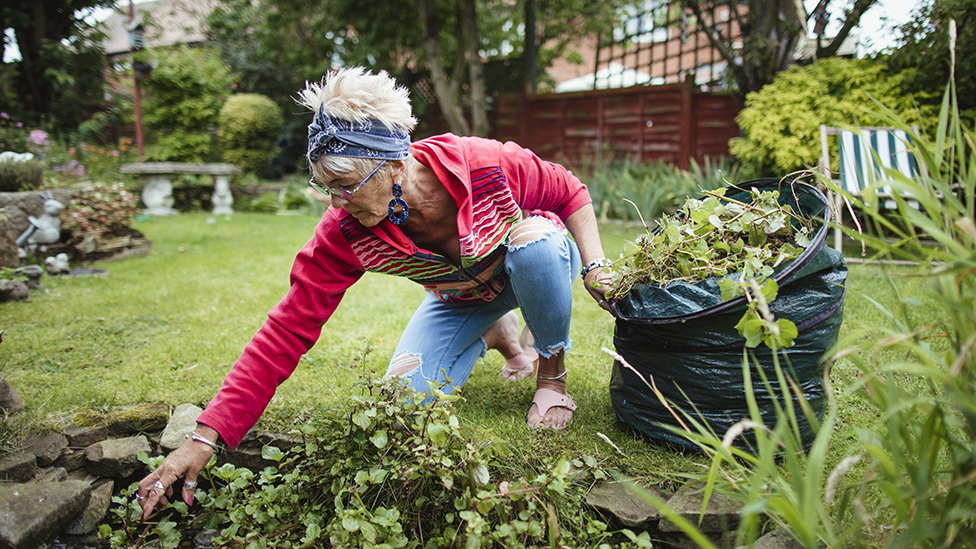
670, 123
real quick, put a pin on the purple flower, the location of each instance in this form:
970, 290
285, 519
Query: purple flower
20, 124
38, 137
4, 115
72, 164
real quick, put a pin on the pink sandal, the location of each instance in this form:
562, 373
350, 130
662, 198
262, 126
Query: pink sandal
547, 398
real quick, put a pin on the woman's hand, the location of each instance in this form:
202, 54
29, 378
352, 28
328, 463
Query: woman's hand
597, 282
186, 461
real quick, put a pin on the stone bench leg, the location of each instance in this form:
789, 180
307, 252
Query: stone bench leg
222, 199
157, 194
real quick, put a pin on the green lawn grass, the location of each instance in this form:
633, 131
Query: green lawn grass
168, 326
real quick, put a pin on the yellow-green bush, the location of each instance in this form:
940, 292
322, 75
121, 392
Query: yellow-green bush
782, 121
249, 128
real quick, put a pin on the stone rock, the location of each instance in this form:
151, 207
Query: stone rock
13, 290
777, 539
721, 514
181, 423
18, 467
33, 274
71, 460
674, 540
87, 521
249, 457
116, 458
33, 514
10, 401
620, 501
204, 539
82, 475
87, 541
80, 437
9, 257
47, 448
52, 474
127, 420
281, 441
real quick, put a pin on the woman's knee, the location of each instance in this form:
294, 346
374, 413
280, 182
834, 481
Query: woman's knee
530, 230
404, 365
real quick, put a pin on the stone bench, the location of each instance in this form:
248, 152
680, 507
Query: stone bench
157, 185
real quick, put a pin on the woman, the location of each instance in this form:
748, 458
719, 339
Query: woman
477, 222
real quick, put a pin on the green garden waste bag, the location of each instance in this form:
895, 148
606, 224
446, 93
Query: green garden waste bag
683, 336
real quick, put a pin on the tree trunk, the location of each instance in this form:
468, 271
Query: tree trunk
852, 20
479, 100
446, 91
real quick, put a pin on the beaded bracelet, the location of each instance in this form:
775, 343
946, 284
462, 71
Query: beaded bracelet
199, 438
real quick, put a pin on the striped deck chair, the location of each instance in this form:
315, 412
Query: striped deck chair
860, 169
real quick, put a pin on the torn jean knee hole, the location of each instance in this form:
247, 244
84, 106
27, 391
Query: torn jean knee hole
404, 365
527, 232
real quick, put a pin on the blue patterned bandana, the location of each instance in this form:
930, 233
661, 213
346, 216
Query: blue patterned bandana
367, 139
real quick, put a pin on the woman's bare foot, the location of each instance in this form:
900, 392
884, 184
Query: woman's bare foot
503, 336
551, 406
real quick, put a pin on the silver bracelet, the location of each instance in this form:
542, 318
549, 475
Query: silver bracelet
198, 438
560, 376
602, 262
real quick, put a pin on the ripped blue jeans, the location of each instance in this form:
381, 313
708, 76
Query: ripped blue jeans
443, 340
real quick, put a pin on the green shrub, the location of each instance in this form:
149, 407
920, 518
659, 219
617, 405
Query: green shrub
184, 95
18, 176
249, 128
782, 121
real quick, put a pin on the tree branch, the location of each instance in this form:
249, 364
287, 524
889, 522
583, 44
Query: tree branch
852, 19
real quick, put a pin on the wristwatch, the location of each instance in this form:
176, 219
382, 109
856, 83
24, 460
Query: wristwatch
602, 262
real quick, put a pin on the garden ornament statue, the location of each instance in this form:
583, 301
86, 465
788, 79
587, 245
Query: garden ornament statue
57, 265
10, 156
45, 229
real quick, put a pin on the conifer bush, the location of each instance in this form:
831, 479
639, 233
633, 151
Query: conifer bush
249, 128
18, 176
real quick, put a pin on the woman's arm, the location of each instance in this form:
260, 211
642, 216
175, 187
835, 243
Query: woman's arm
582, 225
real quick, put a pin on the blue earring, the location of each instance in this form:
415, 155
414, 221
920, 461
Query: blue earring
393, 216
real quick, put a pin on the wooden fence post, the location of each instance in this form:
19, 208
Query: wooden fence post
686, 131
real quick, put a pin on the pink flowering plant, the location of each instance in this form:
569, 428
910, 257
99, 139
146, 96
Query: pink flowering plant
13, 135
101, 208
38, 143
89, 162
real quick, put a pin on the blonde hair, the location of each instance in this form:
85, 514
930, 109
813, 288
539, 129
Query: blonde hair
355, 94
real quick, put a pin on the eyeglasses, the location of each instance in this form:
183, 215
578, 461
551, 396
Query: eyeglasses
345, 194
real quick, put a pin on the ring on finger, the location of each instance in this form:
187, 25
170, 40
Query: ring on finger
140, 498
190, 484
159, 485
